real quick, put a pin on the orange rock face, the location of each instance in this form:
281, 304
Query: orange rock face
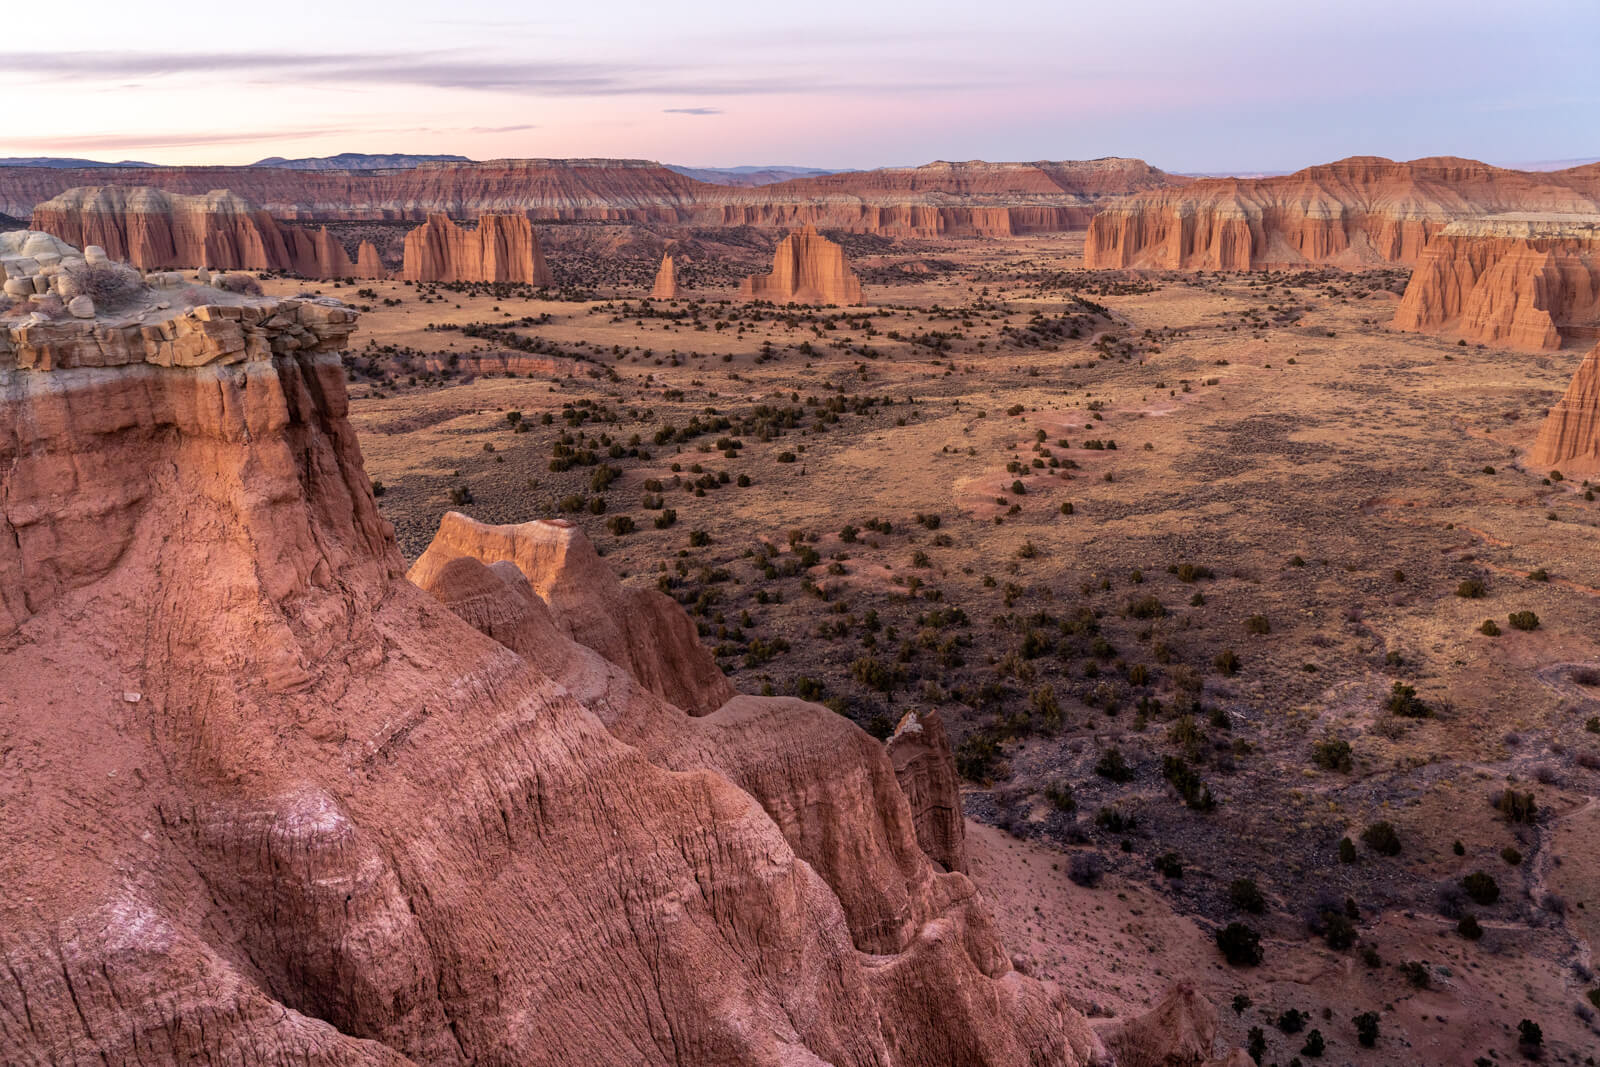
1356, 212
368, 264
666, 285
154, 229
279, 804
807, 268
503, 248
1569, 441
1524, 281
940, 199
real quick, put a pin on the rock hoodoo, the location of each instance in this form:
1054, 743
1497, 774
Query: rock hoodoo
666, 286
1525, 281
270, 801
1361, 211
368, 263
501, 248
156, 230
924, 765
1569, 441
807, 268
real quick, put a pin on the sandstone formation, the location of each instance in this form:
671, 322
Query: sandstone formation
807, 268
154, 230
1524, 281
924, 765
1569, 440
268, 801
941, 199
1178, 1032
502, 248
368, 264
666, 286
1357, 212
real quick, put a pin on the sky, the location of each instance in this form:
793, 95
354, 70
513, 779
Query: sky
1220, 86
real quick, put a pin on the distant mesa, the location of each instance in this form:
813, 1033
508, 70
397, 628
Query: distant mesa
357, 162
65, 162
749, 177
1359, 212
1523, 281
666, 286
807, 268
157, 230
1569, 441
501, 248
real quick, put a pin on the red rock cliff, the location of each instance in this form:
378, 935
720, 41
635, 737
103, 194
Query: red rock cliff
950, 199
1518, 280
267, 801
503, 248
1356, 212
154, 229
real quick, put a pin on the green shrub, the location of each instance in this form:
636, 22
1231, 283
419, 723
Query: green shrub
1469, 928
1246, 896
1403, 702
1366, 1028
1481, 887
1524, 620
1347, 850
1517, 807
1258, 624
1112, 766
1168, 865
1332, 754
1240, 945
1315, 1045
1382, 838
1489, 629
1061, 796
1292, 1021
1416, 974
1470, 589
1226, 662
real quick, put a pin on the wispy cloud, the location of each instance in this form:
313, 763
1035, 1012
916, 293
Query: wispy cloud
453, 70
164, 140
691, 111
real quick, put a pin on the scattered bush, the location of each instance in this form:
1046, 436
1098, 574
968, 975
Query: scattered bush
1469, 928
1366, 1028
1086, 869
1169, 865
1347, 850
1113, 767
1258, 624
1524, 620
1292, 1021
1403, 702
1416, 974
1489, 629
1226, 662
1315, 1045
1516, 807
1471, 589
1246, 896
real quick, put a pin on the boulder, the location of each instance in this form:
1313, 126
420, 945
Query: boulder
81, 307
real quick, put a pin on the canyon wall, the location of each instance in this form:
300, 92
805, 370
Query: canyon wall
154, 229
807, 268
1362, 211
940, 199
501, 248
1524, 281
1569, 440
270, 801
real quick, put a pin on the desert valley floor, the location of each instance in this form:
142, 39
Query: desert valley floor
1200, 570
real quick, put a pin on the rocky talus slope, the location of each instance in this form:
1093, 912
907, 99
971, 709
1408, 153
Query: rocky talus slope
269, 801
1524, 281
1361, 211
156, 230
1569, 440
807, 268
501, 248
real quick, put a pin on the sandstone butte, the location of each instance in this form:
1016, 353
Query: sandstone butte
501, 248
154, 229
1524, 281
973, 198
666, 284
807, 268
1361, 211
1569, 440
269, 800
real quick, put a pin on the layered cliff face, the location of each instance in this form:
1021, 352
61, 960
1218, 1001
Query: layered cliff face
666, 283
1356, 212
807, 268
155, 230
1520, 280
268, 801
502, 248
940, 199
925, 766
1569, 440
